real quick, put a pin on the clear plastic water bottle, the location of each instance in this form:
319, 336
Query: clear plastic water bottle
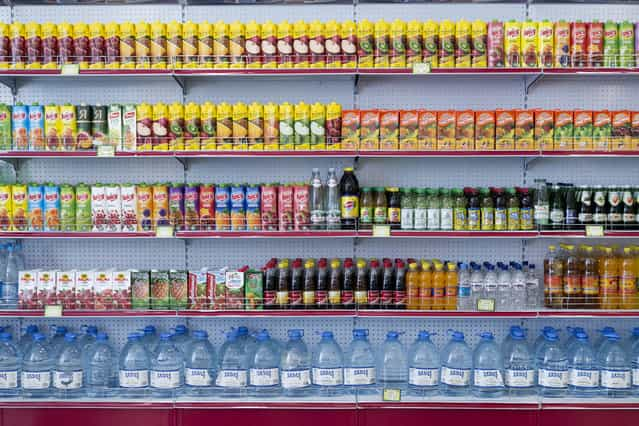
3, 271
134, 365
37, 364
616, 374
359, 365
518, 300
552, 367
583, 371
476, 284
232, 376
200, 366
10, 281
27, 338
532, 288
9, 367
541, 340
457, 366
247, 342
490, 284
505, 344
328, 362
68, 372
423, 366
264, 370
149, 338
602, 340
519, 365
317, 200
19, 252
571, 337
101, 366
57, 341
392, 365
181, 337
167, 363
333, 212
86, 339
488, 376
295, 366
504, 289
464, 299
634, 359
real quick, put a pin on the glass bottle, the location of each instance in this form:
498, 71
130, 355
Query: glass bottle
541, 204
420, 221
487, 210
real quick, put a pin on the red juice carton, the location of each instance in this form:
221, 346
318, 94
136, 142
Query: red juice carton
103, 289
285, 207
28, 289
121, 285
235, 289
65, 289
98, 209
113, 204
198, 290
254, 289
216, 281
268, 208
85, 297
129, 217
46, 288
301, 207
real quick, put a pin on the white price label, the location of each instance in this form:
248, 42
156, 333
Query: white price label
296, 379
423, 376
328, 376
264, 376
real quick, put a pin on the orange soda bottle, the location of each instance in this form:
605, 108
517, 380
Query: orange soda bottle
609, 282
627, 280
439, 286
425, 287
590, 278
451, 286
413, 287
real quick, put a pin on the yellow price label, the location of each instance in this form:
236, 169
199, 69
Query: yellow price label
594, 231
70, 69
164, 232
421, 68
106, 151
486, 305
53, 311
381, 230
392, 395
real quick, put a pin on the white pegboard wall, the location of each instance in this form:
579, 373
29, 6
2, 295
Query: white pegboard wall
441, 11
276, 13
586, 13
584, 171
97, 13
584, 92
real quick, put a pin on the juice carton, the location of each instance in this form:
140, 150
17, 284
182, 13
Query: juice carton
430, 39
142, 45
159, 286
446, 51
253, 289
578, 44
504, 130
129, 128
192, 207
562, 44
224, 122
285, 44
19, 207
35, 207
65, 289
634, 130
140, 289
68, 127
485, 130
382, 44
216, 280
189, 45
235, 289
285, 207
253, 45
83, 209
6, 212
208, 129
611, 44
479, 31
20, 127
174, 44
103, 289
158, 45
51, 208
84, 289
389, 130
238, 208
269, 44
268, 207
5, 127
369, 130
223, 207
530, 44
255, 127
408, 130
366, 43
271, 127
525, 130
595, 44
301, 207
160, 211
495, 44
236, 45
51, 127
512, 43
113, 206
98, 208
49, 44
398, 44
192, 126
28, 289
81, 44
221, 45
46, 288
302, 126
198, 290
18, 45
206, 208
325, 44
414, 45
128, 200
427, 131
144, 126
621, 139
350, 129
160, 127
318, 126
5, 46
205, 35
333, 126
67, 208
349, 33
583, 130
463, 44
33, 44
36, 128
176, 127
127, 45
544, 130
564, 131
546, 47
287, 132
179, 289
240, 127
601, 130
465, 130
253, 202
446, 124
301, 55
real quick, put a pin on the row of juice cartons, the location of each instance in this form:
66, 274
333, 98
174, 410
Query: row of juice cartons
332, 44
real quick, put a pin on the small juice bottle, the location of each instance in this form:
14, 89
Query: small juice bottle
412, 287
609, 273
627, 280
425, 286
451, 286
439, 287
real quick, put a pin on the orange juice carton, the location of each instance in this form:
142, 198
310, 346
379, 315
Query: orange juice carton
485, 130
350, 129
408, 130
46, 288
564, 131
427, 131
369, 130
544, 129
634, 130
464, 130
525, 130
389, 130
583, 130
621, 139
446, 126
504, 130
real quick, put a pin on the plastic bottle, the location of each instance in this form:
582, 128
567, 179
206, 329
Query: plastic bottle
572, 337
68, 372
295, 366
27, 338
328, 362
452, 284
167, 363
232, 376
9, 367
601, 340
317, 199
464, 300
36, 368
476, 284
425, 286
264, 370
552, 367
332, 200
100, 368
349, 199
616, 374
399, 293
86, 339
19, 252
627, 280
423, 366
247, 342
609, 280
392, 364
583, 372
553, 279
634, 358
134, 365
505, 344
359, 365
439, 286
488, 376
413, 284
491, 284
532, 288
10, 281
57, 341
541, 340
518, 301
181, 338
200, 366
519, 365
457, 365
150, 338
504, 289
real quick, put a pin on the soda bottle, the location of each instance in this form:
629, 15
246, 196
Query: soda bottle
439, 287
474, 209
375, 279
487, 210
412, 287
394, 208
609, 280
451, 286
283, 284
514, 210
600, 214
367, 208
361, 285
629, 208
572, 280
586, 208
381, 207
310, 284
318, 210
553, 278
541, 204
407, 209
350, 277
627, 280
388, 286
297, 283
335, 285
349, 199
590, 279
333, 213
270, 285
399, 293
615, 209
425, 286
501, 211
323, 284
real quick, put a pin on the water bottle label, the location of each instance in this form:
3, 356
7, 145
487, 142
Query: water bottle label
359, 376
264, 376
635, 376
8, 379
433, 216
446, 219
423, 376
328, 376
583, 378
165, 379
520, 378
231, 379
197, 377
463, 291
615, 379
134, 378
455, 376
556, 379
488, 378
295, 379
67, 380
421, 218
407, 218
36, 379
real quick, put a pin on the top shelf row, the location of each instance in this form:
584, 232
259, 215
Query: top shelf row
285, 2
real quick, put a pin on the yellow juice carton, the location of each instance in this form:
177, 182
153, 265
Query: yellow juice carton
176, 127
6, 212
546, 46
192, 126
269, 44
446, 44
112, 43
316, 45
205, 44
530, 44
300, 45
174, 44
382, 44
366, 43
158, 45
463, 43
33, 44
4, 35
97, 48
271, 127
189, 45
398, 44
512, 43
285, 44
287, 130
240, 127
142, 45
221, 45
333, 126
208, 129
430, 40
160, 127
255, 127
413, 43
318, 127
253, 46
127, 45
348, 32
479, 31
236, 45
224, 127
302, 126
68, 127
19, 207
18, 50
81, 46
144, 126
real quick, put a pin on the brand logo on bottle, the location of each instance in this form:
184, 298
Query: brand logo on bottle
35, 115
67, 197
51, 196
545, 32
19, 115
35, 197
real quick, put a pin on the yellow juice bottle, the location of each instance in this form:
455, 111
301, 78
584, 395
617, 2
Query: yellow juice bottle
382, 44
425, 287
439, 286
609, 283
221, 45
412, 287
451, 286
627, 280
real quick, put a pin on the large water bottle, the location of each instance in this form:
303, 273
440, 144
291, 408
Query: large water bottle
423, 366
505, 344
232, 376
149, 338
464, 298
264, 370
359, 365
532, 288
167, 364
37, 364
488, 367
571, 337
328, 362
9, 367
552, 366
68, 373
27, 338
519, 365
476, 284
457, 366
87, 338
181, 337
518, 300
616, 374
634, 358
541, 340
393, 363
3, 271
57, 341
491, 283
583, 372
200, 366
10, 282
101, 365
295, 366
134, 365
504, 289
247, 342
602, 340
19, 252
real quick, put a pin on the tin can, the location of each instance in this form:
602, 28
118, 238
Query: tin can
223, 207
36, 128
100, 130
176, 206
142, 45
206, 210
253, 214
158, 46
51, 207
83, 213
85, 138
578, 47
144, 206
5, 207
208, 129
129, 208
35, 195
285, 207
268, 207
238, 208
114, 126
97, 47
113, 202
81, 44
49, 45
19, 207
301, 207
192, 207
112, 45
67, 208
33, 43
20, 127
192, 126
52, 127
68, 127
176, 127
160, 215
144, 124
65, 43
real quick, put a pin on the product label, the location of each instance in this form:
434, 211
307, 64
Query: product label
557, 216
407, 218
421, 218
553, 284
519, 378
36, 379
67, 379
484, 378
433, 218
349, 207
473, 219
572, 284
328, 376
165, 379
295, 379
365, 215
197, 377
358, 376
526, 218
379, 215
231, 379
423, 376
542, 214
8, 379
583, 378
615, 379
264, 376
590, 285
556, 379
446, 219
134, 378
501, 219
635, 376
455, 376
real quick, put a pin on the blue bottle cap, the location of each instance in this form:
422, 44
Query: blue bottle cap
242, 331
133, 337
457, 336
606, 329
32, 329
612, 336
231, 336
551, 336
181, 329
70, 337
200, 335
581, 336
5, 337
635, 332
263, 336
92, 329
486, 335
360, 333
328, 335
392, 335
295, 334
165, 336
102, 337
517, 334
61, 330
515, 327
37, 337
424, 335
463, 266
149, 329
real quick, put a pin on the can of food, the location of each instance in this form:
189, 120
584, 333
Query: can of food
36, 128
223, 207
35, 206
51, 207
176, 206
192, 207
67, 208
144, 206
160, 215
99, 126
238, 208
206, 210
85, 138
20, 127
82, 208
19, 207
52, 127
68, 127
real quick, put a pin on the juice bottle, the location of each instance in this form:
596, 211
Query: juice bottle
589, 279
627, 280
382, 44
572, 280
609, 283
439, 286
451, 286
425, 286
463, 36
412, 287
553, 276
398, 44
446, 52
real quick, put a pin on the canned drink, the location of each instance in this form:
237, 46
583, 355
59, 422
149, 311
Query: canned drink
285, 207
160, 127
51, 207
129, 208
19, 207
85, 140
192, 207
18, 45
144, 125
144, 207
99, 127
268, 208
65, 43
192, 125
208, 129
52, 127
98, 209
97, 46
223, 207
206, 210
49, 45
176, 127
253, 214
5, 207
114, 126
113, 204
112, 45
127, 45
238, 208
20, 127
33, 43
68, 127
160, 216
301, 207
36, 128
129, 130
81, 46
158, 45
67, 208
83, 208
176, 206
224, 123
6, 142
174, 44
35, 195
142, 45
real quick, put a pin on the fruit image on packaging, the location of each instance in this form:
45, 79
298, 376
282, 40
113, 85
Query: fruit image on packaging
224, 127
208, 130
5, 128
46, 288
51, 208
397, 45
142, 45
67, 208
285, 207
205, 35
382, 44
68, 127
512, 43
271, 127
144, 126
285, 44
6, 212
20, 127
83, 208
129, 127
144, 207
255, 127
463, 43
115, 126
160, 293
414, 45
301, 207
530, 44
408, 130
269, 44
35, 207
611, 44
446, 125
564, 130
207, 208
479, 31
626, 45
81, 44
253, 45
174, 44
192, 126
302, 126
317, 43
427, 131
18, 45
369, 130
318, 126
176, 127
160, 211
160, 127
121, 284
33, 43
49, 45
365, 44
221, 45
129, 208
430, 39
562, 44
287, 129
189, 45
97, 48
113, 203
495, 44
578, 46
350, 129
546, 49
485, 130
634, 130
268, 207
464, 130
333, 126
595, 45
544, 129
36, 128
176, 206
583, 130
349, 44
301, 57
65, 289
192, 207
240, 127
157, 49
140, 290
19, 207
223, 207
447, 48
236, 45
525, 130
127, 45
620, 133
504, 130
388, 130
178, 289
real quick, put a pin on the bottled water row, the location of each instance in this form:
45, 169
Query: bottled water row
180, 363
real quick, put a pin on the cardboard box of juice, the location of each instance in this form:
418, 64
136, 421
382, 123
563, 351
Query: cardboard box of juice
350, 129
389, 130
583, 130
485, 130
621, 126
65, 289
544, 129
464, 130
634, 130
46, 288
446, 126
564, 131
140, 289
28, 289
103, 289
198, 290
159, 285
216, 280
408, 130
427, 131
601, 130
84, 291
235, 289
178, 281
525, 130
369, 130
121, 280
504, 130
254, 289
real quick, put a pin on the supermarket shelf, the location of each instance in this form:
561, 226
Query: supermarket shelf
324, 313
439, 154
443, 314
582, 234
586, 313
443, 402
60, 235
90, 313
179, 154
86, 403
590, 403
266, 234
455, 234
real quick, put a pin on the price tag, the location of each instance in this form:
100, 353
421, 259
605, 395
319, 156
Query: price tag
106, 151
70, 69
392, 395
486, 305
594, 231
164, 232
381, 230
53, 311
421, 68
